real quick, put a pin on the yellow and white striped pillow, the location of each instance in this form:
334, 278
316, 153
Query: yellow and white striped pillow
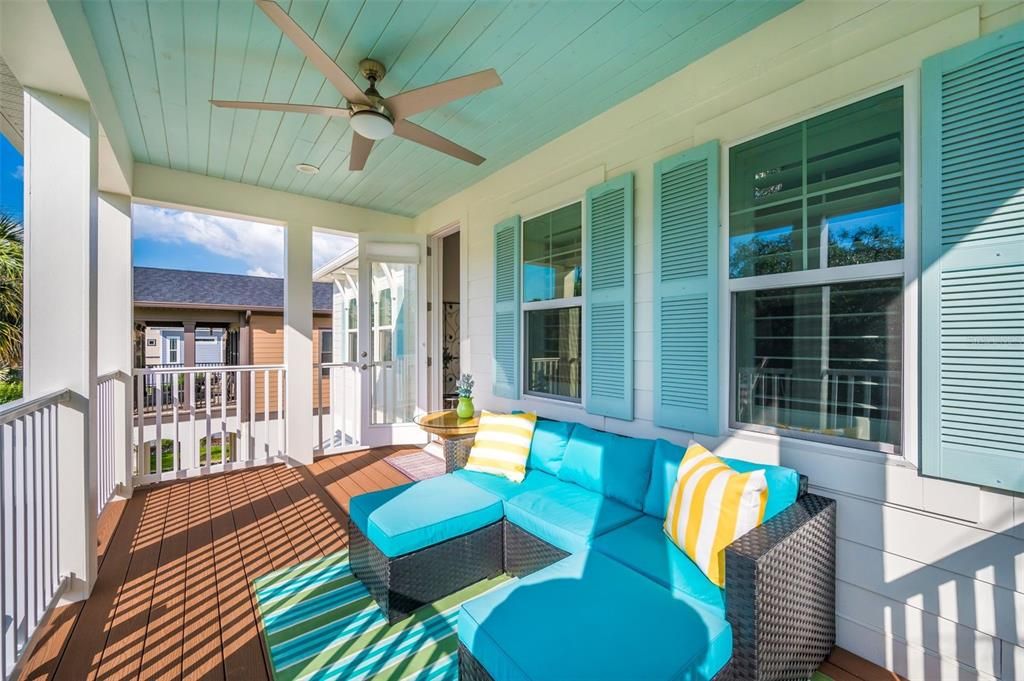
502, 445
711, 506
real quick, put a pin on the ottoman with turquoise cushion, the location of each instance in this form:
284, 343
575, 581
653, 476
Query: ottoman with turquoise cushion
589, 617
413, 544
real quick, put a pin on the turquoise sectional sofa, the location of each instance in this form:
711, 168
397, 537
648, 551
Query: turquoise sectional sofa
600, 591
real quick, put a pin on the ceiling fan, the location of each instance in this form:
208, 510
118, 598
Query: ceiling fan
371, 116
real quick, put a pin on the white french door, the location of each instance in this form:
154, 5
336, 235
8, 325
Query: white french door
392, 334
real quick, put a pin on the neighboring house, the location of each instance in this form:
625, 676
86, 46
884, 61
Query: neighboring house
192, 318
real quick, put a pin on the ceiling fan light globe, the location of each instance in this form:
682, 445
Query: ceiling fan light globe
372, 125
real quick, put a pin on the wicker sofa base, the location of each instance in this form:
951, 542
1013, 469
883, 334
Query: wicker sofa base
470, 668
526, 553
402, 585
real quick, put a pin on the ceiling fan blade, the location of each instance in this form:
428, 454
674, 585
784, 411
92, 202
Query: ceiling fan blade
361, 147
412, 102
294, 108
414, 133
339, 79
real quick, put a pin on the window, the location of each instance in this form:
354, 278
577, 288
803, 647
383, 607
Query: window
816, 251
326, 350
352, 330
174, 350
553, 303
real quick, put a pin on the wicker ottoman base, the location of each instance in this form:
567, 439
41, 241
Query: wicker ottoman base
402, 585
470, 668
526, 553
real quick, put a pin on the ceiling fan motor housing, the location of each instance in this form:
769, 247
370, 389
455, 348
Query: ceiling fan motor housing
372, 70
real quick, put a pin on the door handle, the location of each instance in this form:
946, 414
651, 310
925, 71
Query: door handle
362, 367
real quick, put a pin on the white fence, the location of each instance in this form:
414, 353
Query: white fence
195, 420
30, 582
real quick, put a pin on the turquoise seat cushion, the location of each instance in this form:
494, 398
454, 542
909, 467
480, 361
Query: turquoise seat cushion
588, 617
502, 487
613, 465
411, 517
548, 446
566, 515
643, 546
783, 483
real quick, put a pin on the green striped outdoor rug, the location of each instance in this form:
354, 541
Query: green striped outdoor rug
320, 623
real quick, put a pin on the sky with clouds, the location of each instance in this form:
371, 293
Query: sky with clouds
196, 241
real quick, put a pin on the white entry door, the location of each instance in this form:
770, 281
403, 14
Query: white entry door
392, 332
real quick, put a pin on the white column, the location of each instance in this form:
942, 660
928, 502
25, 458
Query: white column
114, 320
298, 342
61, 309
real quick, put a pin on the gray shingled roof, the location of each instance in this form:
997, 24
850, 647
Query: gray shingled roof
155, 286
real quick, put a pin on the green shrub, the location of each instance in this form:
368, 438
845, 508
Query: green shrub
10, 391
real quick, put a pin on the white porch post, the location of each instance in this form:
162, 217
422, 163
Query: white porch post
114, 325
298, 342
60, 307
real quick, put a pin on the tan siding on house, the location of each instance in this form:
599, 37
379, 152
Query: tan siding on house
268, 348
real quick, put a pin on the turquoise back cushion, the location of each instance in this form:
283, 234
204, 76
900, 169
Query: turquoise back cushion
783, 483
548, 447
615, 466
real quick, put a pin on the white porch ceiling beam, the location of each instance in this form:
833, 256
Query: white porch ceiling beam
179, 189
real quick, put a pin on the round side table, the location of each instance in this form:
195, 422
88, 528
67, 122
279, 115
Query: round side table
456, 435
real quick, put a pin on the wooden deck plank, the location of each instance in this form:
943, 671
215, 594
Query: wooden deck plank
239, 634
202, 655
115, 539
127, 621
174, 597
161, 652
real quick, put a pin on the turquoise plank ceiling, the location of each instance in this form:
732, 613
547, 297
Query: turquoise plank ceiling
562, 63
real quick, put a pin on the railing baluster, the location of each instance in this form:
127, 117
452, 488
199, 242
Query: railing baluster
223, 416
207, 375
280, 415
175, 403
5, 648
266, 413
238, 417
193, 446
159, 416
250, 444
141, 459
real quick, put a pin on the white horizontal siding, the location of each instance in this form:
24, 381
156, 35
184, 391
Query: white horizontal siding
931, 573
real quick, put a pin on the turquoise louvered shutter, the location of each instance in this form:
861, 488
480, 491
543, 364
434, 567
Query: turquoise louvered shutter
686, 290
972, 277
506, 308
608, 283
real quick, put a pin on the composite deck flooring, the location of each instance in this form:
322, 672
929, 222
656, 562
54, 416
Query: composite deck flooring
173, 596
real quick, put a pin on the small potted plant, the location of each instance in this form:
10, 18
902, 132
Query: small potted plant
464, 387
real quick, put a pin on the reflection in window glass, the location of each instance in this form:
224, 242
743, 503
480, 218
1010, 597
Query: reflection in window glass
326, 350
553, 255
393, 348
553, 350
836, 178
821, 359
353, 330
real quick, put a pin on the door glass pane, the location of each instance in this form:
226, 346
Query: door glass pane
393, 343
821, 359
553, 352
553, 254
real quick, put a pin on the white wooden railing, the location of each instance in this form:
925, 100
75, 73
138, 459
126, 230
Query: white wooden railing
30, 583
209, 419
109, 444
337, 406
841, 399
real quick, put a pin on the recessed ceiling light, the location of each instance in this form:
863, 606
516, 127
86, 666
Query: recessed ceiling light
307, 168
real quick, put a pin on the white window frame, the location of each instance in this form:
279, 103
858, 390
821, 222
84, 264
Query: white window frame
553, 304
907, 268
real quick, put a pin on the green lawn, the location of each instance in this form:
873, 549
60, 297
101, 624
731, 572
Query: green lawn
167, 455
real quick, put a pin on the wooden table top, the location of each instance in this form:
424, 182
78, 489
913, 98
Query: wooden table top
447, 423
